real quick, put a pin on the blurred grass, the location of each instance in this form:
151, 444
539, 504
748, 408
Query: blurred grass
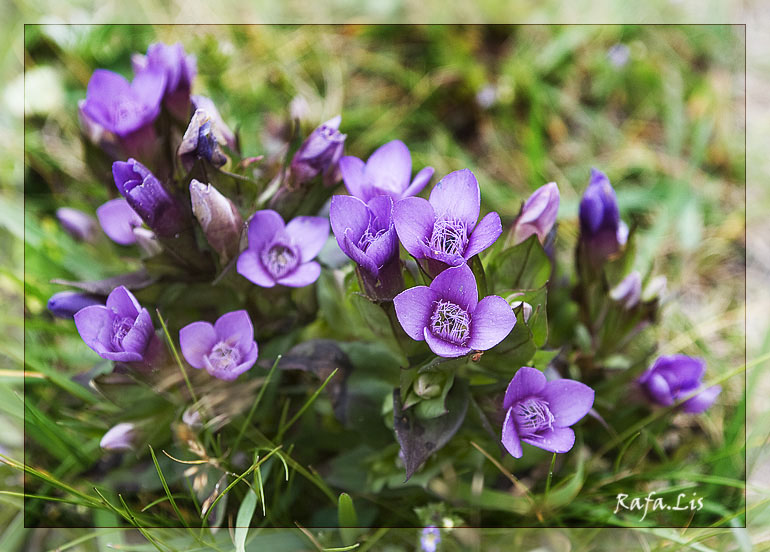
667, 128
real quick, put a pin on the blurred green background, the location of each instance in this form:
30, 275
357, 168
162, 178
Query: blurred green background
660, 109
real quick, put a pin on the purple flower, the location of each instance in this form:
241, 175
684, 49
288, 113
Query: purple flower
121, 107
118, 221
601, 230
674, 377
226, 350
540, 413
76, 223
66, 303
281, 253
120, 331
444, 227
207, 105
200, 141
430, 538
386, 172
366, 234
538, 214
179, 71
148, 198
628, 291
120, 437
220, 220
449, 316
320, 154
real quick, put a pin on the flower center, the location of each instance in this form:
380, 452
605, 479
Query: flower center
367, 239
449, 236
279, 260
533, 416
450, 322
223, 356
120, 328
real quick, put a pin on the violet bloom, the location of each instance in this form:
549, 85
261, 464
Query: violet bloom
674, 377
179, 71
386, 172
119, 437
449, 316
121, 107
225, 349
540, 413
121, 330
76, 223
601, 230
280, 253
538, 214
430, 538
629, 291
320, 154
66, 303
148, 198
366, 234
118, 220
444, 228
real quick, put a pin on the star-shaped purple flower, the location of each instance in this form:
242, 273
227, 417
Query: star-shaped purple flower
121, 330
671, 378
225, 349
280, 253
540, 413
444, 228
449, 316
386, 172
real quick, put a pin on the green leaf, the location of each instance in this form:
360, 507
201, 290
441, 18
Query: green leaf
242, 521
523, 266
348, 519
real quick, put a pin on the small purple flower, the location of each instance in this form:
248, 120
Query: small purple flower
118, 221
320, 154
601, 230
280, 253
540, 413
179, 71
225, 349
76, 223
121, 330
674, 377
148, 198
366, 234
66, 303
628, 291
538, 214
121, 107
430, 538
119, 437
449, 316
219, 218
386, 172
444, 227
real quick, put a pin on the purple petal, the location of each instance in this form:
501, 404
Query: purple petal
352, 170
484, 235
568, 400
304, 275
658, 390
196, 341
388, 169
354, 252
309, 233
492, 321
250, 267
444, 348
118, 221
414, 308
419, 182
457, 196
123, 302
525, 383
381, 208
511, 440
681, 372
348, 214
138, 336
248, 361
122, 356
235, 328
558, 439
94, 324
384, 247
119, 437
149, 85
122, 173
700, 402
414, 219
263, 225
458, 285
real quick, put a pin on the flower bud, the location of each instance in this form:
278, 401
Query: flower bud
76, 223
223, 131
428, 385
319, 154
119, 437
220, 220
201, 141
66, 303
601, 231
628, 291
526, 309
538, 214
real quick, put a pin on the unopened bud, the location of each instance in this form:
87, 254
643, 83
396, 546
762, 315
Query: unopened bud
201, 141
628, 291
120, 437
538, 214
220, 220
428, 386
